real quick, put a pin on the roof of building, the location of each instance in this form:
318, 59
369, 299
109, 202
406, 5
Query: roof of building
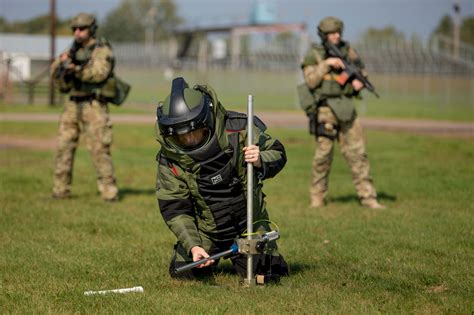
34, 46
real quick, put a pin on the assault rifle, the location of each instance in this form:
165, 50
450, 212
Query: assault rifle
64, 72
351, 72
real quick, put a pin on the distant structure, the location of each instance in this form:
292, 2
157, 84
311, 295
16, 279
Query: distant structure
262, 21
263, 12
28, 54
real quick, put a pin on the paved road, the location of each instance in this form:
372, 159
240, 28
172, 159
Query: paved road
295, 120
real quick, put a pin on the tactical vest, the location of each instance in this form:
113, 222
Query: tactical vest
81, 57
330, 92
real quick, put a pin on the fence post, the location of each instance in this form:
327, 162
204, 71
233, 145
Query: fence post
31, 93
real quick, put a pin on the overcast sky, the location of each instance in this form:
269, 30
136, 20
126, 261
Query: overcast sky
408, 16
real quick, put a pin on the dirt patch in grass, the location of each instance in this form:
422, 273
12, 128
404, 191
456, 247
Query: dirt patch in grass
7, 142
271, 119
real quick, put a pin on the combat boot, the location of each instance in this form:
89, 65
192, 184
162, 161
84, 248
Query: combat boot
110, 195
317, 202
108, 192
372, 203
63, 194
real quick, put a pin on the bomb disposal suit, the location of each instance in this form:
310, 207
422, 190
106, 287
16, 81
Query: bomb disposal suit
201, 184
330, 107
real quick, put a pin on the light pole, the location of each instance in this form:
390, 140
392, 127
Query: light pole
52, 31
456, 29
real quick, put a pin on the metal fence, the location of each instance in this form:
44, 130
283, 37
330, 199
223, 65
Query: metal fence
396, 66
382, 57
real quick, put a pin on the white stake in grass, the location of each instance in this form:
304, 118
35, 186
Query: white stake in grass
124, 290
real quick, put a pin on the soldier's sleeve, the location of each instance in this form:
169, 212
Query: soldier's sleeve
99, 67
272, 154
313, 69
175, 204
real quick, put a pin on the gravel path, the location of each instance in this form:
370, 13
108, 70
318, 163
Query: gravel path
272, 119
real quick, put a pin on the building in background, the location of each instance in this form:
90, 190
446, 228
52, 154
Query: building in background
27, 56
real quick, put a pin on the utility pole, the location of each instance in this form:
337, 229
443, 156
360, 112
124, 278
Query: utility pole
150, 24
456, 29
52, 31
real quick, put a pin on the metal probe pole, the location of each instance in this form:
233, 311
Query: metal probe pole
249, 281
233, 249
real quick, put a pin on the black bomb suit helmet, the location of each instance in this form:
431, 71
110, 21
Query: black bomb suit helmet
185, 112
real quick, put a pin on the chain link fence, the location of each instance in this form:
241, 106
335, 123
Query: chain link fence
406, 72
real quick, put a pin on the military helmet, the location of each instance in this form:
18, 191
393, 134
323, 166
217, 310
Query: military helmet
185, 111
85, 20
330, 24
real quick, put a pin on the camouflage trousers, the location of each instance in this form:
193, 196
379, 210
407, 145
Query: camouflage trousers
91, 119
352, 146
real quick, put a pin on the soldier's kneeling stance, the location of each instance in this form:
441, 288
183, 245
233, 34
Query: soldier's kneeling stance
201, 180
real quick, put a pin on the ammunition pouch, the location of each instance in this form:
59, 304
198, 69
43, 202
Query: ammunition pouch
327, 130
308, 104
114, 90
330, 87
312, 123
306, 97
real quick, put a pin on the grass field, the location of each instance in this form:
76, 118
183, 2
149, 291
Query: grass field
414, 257
401, 96
407, 96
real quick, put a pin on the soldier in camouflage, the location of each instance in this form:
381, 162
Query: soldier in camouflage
332, 109
201, 180
84, 72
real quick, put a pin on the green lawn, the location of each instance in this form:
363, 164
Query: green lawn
407, 96
414, 257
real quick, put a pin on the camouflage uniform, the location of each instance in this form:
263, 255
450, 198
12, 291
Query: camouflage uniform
336, 119
202, 195
86, 113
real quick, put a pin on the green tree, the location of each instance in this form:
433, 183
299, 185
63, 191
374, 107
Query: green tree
467, 30
37, 25
383, 34
132, 18
445, 26
3, 25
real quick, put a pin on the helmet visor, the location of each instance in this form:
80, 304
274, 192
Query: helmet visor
189, 141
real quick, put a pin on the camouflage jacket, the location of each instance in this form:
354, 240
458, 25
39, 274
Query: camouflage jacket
194, 198
94, 66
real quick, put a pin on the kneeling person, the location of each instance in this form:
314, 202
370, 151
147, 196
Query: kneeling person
201, 180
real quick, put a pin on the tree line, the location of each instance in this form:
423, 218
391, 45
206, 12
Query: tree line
141, 20
130, 21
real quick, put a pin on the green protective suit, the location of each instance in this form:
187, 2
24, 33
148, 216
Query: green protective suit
203, 200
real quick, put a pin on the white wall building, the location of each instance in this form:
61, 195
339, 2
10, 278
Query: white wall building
27, 55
